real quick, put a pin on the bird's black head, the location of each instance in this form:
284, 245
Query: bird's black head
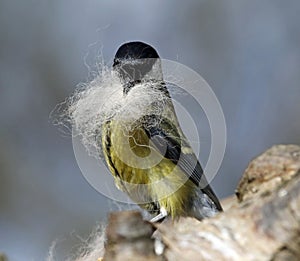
133, 51
134, 61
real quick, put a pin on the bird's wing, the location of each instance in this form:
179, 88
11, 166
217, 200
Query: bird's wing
174, 147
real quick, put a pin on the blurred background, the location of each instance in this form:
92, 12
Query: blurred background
248, 51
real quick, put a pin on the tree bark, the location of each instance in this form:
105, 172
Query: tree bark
261, 223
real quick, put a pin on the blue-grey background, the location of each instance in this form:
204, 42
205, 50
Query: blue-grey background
248, 51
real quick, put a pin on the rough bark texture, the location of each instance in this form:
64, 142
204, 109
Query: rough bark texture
262, 223
128, 237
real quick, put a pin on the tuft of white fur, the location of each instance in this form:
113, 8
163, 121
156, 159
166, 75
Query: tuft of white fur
91, 249
101, 100
51, 253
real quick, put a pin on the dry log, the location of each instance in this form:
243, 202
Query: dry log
129, 237
262, 223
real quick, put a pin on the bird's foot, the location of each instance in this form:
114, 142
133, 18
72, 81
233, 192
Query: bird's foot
163, 213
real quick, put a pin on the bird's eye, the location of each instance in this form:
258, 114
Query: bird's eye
116, 62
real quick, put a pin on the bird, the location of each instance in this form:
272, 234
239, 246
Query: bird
150, 158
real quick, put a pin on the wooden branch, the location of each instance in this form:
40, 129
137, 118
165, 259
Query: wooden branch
129, 237
262, 223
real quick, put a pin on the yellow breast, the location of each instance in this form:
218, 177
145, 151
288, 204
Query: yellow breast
142, 172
